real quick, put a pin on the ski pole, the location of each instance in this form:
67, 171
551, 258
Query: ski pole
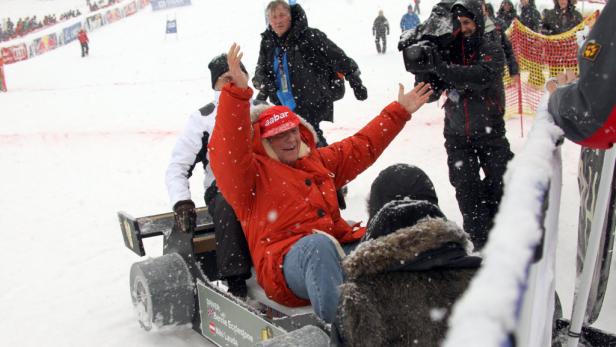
590, 259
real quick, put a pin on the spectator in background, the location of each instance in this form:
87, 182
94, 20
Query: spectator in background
563, 17
506, 13
529, 15
380, 30
83, 40
494, 31
409, 20
417, 10
297, 64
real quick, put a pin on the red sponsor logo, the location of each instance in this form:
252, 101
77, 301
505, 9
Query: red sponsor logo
487, 58
14, 54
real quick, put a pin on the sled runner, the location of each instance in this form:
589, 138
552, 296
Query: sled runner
180, 287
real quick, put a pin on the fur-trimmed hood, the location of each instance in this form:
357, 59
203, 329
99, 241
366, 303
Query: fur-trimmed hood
403, 247
262, 146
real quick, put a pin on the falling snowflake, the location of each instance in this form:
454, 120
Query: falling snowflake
272, 216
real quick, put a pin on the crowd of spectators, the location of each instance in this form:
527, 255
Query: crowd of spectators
10, 30
97, 5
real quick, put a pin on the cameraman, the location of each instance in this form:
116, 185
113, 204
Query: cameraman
470, 71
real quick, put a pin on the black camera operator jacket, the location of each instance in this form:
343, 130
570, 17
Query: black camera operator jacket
473, 74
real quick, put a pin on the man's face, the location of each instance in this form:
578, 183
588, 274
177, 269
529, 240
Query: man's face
467, 26
563, 4
524, 2
280, 20
286, 145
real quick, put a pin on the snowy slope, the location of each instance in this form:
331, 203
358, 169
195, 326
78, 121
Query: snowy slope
83, 138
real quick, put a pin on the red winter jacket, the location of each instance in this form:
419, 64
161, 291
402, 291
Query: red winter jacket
82, 36
278, 204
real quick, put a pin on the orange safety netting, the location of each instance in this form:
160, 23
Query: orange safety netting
539, 57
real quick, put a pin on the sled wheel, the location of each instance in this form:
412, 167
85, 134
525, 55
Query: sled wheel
163, 291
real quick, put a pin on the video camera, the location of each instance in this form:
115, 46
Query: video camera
421, 45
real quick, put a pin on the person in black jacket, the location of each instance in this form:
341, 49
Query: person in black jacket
494, 30
563, 17
299, 67
529, 15
506, 13
380, 30
474, 127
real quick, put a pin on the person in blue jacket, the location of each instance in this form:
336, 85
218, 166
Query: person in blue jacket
410, 20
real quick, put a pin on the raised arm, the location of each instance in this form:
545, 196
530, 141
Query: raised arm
351, 156
230, 149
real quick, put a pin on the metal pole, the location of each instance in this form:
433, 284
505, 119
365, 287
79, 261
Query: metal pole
592, 250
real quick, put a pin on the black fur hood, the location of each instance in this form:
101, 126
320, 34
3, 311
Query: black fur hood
404, 246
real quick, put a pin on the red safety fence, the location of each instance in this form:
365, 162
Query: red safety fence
539, 57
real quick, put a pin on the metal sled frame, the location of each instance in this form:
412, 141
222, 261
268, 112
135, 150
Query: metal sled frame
219, 317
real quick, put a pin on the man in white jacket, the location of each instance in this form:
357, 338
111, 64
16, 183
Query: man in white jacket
232, 255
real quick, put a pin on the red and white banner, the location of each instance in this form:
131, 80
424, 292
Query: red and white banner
113, 15
44, 44
15, 53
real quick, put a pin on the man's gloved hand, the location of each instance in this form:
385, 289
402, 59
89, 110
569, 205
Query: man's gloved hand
185, 216
361, 93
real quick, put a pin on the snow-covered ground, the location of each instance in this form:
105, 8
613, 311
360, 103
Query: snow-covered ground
83, 138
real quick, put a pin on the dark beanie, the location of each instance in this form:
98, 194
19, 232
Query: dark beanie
398, 214
218, 66
461, 11
397, 182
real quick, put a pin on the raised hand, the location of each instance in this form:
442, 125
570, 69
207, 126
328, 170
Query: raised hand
414, 99
234, 57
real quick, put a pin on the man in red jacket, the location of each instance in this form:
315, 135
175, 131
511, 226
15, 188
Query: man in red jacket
83, 40
283, 188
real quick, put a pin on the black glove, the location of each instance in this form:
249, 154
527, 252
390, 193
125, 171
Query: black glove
185, 216
361, 93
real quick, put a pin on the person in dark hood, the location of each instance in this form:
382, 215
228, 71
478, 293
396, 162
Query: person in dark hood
529, 15
563, 17
506, 13
380, 30
475, 135
494, 30
299, 67
412, 261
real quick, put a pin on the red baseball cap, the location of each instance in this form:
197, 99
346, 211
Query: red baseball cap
277, 119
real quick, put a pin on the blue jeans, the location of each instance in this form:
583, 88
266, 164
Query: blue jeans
313, 271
